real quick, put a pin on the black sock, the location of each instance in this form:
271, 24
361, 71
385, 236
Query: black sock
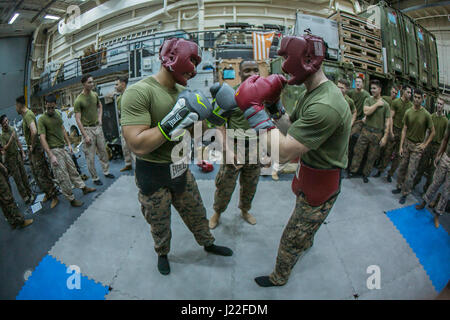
221, 251
163, 265
264, 281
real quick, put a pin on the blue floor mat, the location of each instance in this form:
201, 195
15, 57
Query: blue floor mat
49, 281
431, 245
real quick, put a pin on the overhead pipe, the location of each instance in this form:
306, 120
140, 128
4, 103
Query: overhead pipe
42, 10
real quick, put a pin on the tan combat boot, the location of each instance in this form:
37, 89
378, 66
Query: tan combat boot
26, 223
248, 217
87, 190
214, 221
55, 201
76, 203
126, 168
275, 175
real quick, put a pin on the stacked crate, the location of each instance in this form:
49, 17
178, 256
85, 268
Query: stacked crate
360, 42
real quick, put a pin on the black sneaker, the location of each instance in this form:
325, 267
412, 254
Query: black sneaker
365, 179
163, 265
109, 175
98, 182
402, 200
396, 191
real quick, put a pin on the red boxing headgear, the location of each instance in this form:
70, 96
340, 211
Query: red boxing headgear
303, 54
175, 55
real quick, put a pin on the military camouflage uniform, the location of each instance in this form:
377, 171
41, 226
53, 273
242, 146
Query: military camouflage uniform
408, 166
426, 165
390, 152
226, 182
441, 178
370, 140
156, 210
298, 236
66, 173
16, 169
97, 144
9, 207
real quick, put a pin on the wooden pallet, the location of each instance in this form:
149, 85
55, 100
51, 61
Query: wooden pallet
363, 64
364, 53
361, 39
356, 23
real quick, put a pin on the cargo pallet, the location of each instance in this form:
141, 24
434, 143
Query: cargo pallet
363, 64
362, 52
356, 24
364, 40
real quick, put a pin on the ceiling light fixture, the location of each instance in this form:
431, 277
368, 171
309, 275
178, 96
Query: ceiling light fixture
14, 17
49, 16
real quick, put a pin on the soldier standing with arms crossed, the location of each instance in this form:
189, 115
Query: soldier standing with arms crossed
53, 138
39, 164
88, 114
416, 122
14, 160
426, 163
377, 122
228, 173
318, 136
155, 111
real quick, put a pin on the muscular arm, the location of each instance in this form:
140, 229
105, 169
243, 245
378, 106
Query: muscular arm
100, 113
354, 113
402, 139
66, 137
80, 125
443, 146
391, 126
33, 134
283, 123
44, 144
430, 137
288, 147
368, 110
142, 139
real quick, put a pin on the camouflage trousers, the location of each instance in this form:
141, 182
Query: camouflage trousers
426, 165
41, 172
390, 153
298, 236
157, 211
98, 145
226, 182
441, 178
66, 173
9, 207
408, 166
16, 169
127, 157
370, 140
357, 127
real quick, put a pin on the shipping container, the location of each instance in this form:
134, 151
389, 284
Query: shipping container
433, 56
422, 49
387, 19
410, 45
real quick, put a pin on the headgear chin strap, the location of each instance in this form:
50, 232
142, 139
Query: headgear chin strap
175, 55
303, 54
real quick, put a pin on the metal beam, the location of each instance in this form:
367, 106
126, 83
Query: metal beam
427, 5
16, 7
42, 10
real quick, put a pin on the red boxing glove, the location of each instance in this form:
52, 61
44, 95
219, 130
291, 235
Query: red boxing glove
256, 90
253, 93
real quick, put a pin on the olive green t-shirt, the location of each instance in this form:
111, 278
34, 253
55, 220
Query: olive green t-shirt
359, 97
399, 107
377, 119
351, 103
4, 138
440, 124
388, 99
51, 127
418, 122
87, 105
147, 102
321, 121
239, 123
28, 118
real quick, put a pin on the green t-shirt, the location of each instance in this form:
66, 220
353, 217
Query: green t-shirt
377, 119
321, 121
440, 124
359, 98
351, 103
87, 105
237, 121
147, 102
418, 122
51, 127
388, 99
400, 107
447, 134
4, 138
28, 118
